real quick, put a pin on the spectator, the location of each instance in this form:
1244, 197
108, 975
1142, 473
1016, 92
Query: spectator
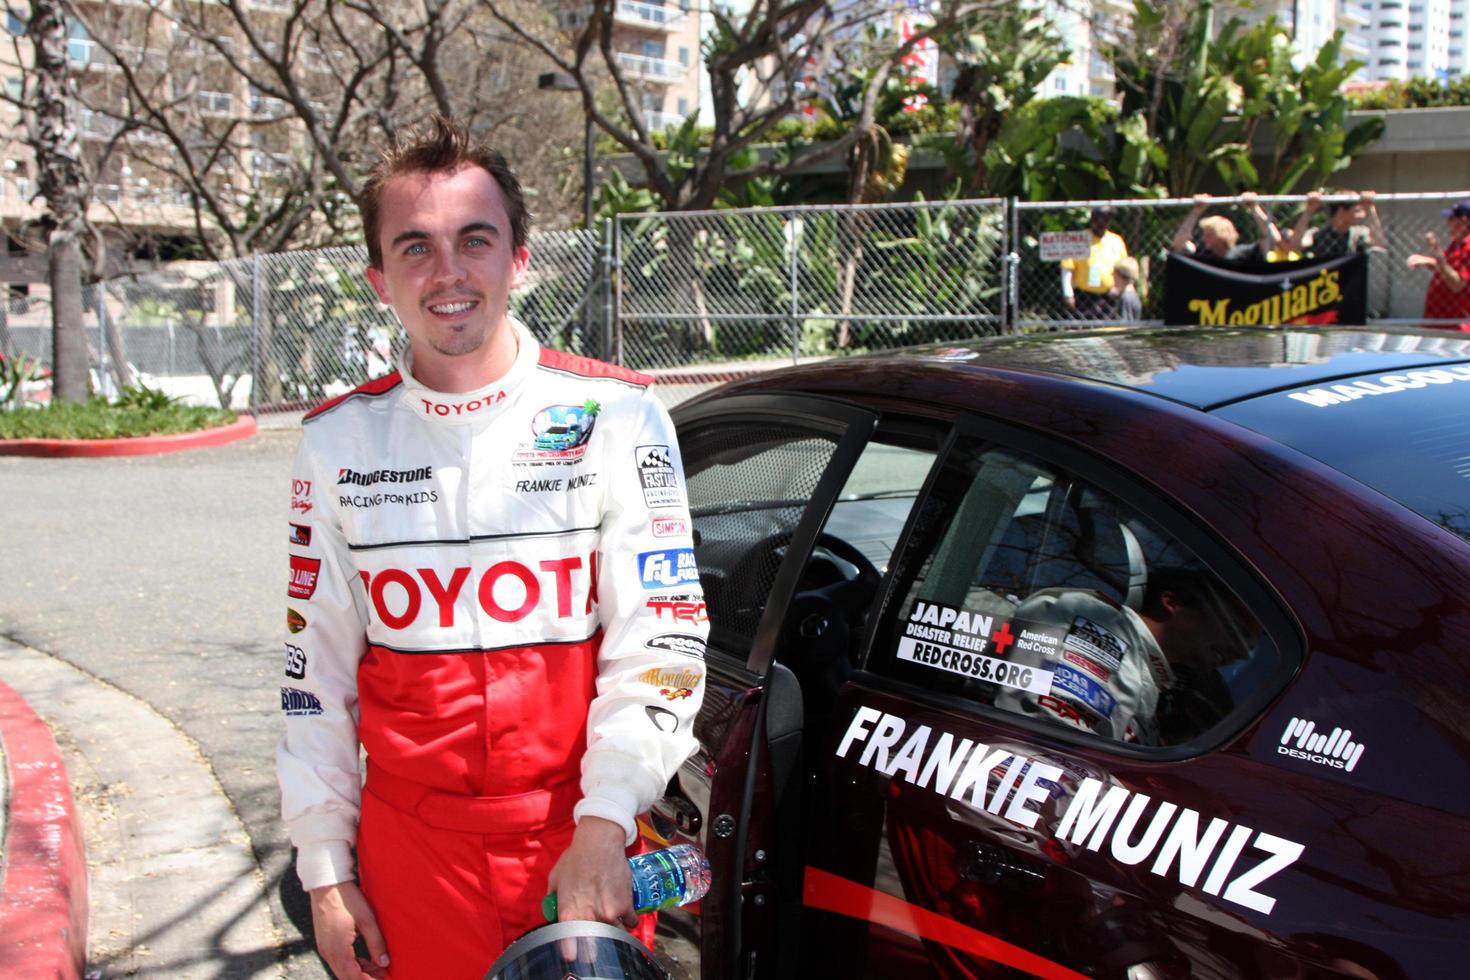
1087, 284
1448, 297
1352, 226
1219, 237
1125, 275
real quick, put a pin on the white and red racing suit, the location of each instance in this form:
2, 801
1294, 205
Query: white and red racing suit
495, 594
1106, 674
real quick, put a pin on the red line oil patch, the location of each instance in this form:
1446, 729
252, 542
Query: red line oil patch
830, 893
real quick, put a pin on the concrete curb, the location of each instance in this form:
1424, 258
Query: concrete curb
242, 428
43, 895
175, 888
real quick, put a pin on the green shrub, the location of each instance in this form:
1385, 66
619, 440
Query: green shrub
99, 419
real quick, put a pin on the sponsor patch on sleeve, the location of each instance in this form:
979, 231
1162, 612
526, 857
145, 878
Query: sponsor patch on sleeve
1081, 688
301, 496
668, 569
656, 473
301, 534
295, 702
295, 662
684, 644
304, 572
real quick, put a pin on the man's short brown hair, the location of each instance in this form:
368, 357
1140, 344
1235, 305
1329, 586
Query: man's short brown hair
444, 146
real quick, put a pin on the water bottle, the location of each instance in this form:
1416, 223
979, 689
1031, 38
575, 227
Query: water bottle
662, 879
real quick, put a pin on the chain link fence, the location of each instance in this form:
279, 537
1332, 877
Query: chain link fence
696, 296
284, 331
710, 287
1395, 292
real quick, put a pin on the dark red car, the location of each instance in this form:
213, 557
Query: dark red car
1132, 654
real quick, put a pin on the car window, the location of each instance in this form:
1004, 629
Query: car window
1027, 589
749, 484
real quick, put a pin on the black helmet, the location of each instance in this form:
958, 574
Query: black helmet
576, 951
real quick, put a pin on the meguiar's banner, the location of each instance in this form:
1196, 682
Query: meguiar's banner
1202, 293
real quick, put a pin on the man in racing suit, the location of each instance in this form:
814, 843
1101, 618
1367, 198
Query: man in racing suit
492, 591
1149, 676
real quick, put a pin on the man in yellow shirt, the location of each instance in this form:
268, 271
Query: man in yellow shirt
1087, 284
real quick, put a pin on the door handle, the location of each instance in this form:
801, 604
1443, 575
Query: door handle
676, 812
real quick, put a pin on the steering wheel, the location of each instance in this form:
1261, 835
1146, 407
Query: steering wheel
824, 613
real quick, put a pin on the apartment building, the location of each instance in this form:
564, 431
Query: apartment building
142, 209
657, 49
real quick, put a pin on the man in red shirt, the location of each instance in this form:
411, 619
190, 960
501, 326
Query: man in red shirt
1448, 297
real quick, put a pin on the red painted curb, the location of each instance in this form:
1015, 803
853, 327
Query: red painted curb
241, 428
43, 895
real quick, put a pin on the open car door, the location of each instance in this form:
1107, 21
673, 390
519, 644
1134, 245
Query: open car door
762, 475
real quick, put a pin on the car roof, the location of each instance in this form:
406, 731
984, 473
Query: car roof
1201, 367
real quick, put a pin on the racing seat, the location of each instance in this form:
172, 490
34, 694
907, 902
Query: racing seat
1081, 545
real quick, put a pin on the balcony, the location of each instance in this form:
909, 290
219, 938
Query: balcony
651, 69
1356, 42
1354, 12
648, 16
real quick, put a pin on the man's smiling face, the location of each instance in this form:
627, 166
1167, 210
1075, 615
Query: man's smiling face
448, 261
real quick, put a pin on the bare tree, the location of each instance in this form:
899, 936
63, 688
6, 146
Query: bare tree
756, 63
261, 118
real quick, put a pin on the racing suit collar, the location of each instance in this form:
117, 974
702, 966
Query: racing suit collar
467, 407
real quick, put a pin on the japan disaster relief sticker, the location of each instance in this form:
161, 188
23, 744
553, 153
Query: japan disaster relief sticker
972, 644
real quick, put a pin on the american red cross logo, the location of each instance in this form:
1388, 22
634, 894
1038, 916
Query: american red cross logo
1002, 638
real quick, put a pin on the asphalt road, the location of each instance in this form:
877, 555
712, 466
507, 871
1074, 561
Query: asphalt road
165, 576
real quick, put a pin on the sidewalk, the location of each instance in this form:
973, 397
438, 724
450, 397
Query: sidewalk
175, 888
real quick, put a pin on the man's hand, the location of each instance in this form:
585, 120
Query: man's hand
339, 914
1247, 198
1201, 201
1071, 302
1431, 241
1367, 197
1314, 202
591, 879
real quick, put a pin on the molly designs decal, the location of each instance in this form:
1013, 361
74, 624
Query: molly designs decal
301, 534
1301, 740
971, 644
1004, 783
304, 572
656, 473
295, 622
667, 569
